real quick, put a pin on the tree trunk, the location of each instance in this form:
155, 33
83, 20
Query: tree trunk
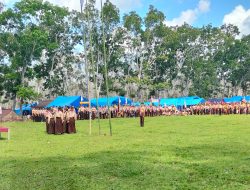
22, 83
21, 107
14, 103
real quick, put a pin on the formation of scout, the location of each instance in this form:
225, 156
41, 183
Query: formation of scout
59, 121
62, 120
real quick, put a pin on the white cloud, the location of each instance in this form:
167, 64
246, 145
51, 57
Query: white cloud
204, 6
123, 5
7, 2
127, 5
239, 17
75, 4
190, 16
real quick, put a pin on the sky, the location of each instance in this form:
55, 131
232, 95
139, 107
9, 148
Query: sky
194, 12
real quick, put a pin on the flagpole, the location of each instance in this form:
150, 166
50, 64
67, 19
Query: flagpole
106, 71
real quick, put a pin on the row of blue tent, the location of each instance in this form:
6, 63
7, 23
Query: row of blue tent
177, 102
75, 101
62, 101
236, 99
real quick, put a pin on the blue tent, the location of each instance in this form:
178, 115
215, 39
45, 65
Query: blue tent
25, 108
147, 103
102, 102
168, 102
190, 97
136, 104
189, 101
123, 101
182, 101
247, 98
112, 101
155, 103
215, 100
62, 101
233, 99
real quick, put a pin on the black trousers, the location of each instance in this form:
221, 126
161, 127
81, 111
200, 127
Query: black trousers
142, 121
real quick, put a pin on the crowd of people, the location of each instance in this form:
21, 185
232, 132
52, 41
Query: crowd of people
152, 111
220, 109
83, 113
38, 114
59, 120
62, 120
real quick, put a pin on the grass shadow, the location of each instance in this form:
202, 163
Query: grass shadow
100, 170
121, 170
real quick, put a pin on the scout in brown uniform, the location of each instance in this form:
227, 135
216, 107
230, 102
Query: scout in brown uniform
65, 124
81, 113
50, 121
93, 113
142, 115
47, 120
59, 121
71, 118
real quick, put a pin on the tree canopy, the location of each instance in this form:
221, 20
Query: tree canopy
42, 48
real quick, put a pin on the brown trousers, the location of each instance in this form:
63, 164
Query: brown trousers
142, 121
59, 126
71, 126
51, 126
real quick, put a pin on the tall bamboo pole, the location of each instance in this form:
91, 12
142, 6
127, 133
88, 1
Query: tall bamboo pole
98, 111
92, 64
86, 68
97, 99
106, 71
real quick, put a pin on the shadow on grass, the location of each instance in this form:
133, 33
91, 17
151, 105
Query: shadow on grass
116, 170
226, 166
101, 170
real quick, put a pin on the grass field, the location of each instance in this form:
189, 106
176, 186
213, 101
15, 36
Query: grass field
196, 152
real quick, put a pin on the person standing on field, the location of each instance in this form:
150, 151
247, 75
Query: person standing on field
59, 118
71, 119
142, 115
50, 128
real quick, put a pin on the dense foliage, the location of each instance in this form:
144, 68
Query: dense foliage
54, 50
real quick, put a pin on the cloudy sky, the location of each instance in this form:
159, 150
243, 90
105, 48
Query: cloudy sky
194, 12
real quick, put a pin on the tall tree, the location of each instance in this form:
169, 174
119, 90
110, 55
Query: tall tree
38, 40
22, 41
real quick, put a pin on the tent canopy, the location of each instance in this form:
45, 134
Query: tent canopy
25, 108
237, 99
247, 98
182, 101
63, 101
102, 102
136, 104
189, 97
42, 104
215, 100
147, 103
233, 99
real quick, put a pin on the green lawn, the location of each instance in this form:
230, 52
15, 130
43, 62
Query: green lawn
195, 152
